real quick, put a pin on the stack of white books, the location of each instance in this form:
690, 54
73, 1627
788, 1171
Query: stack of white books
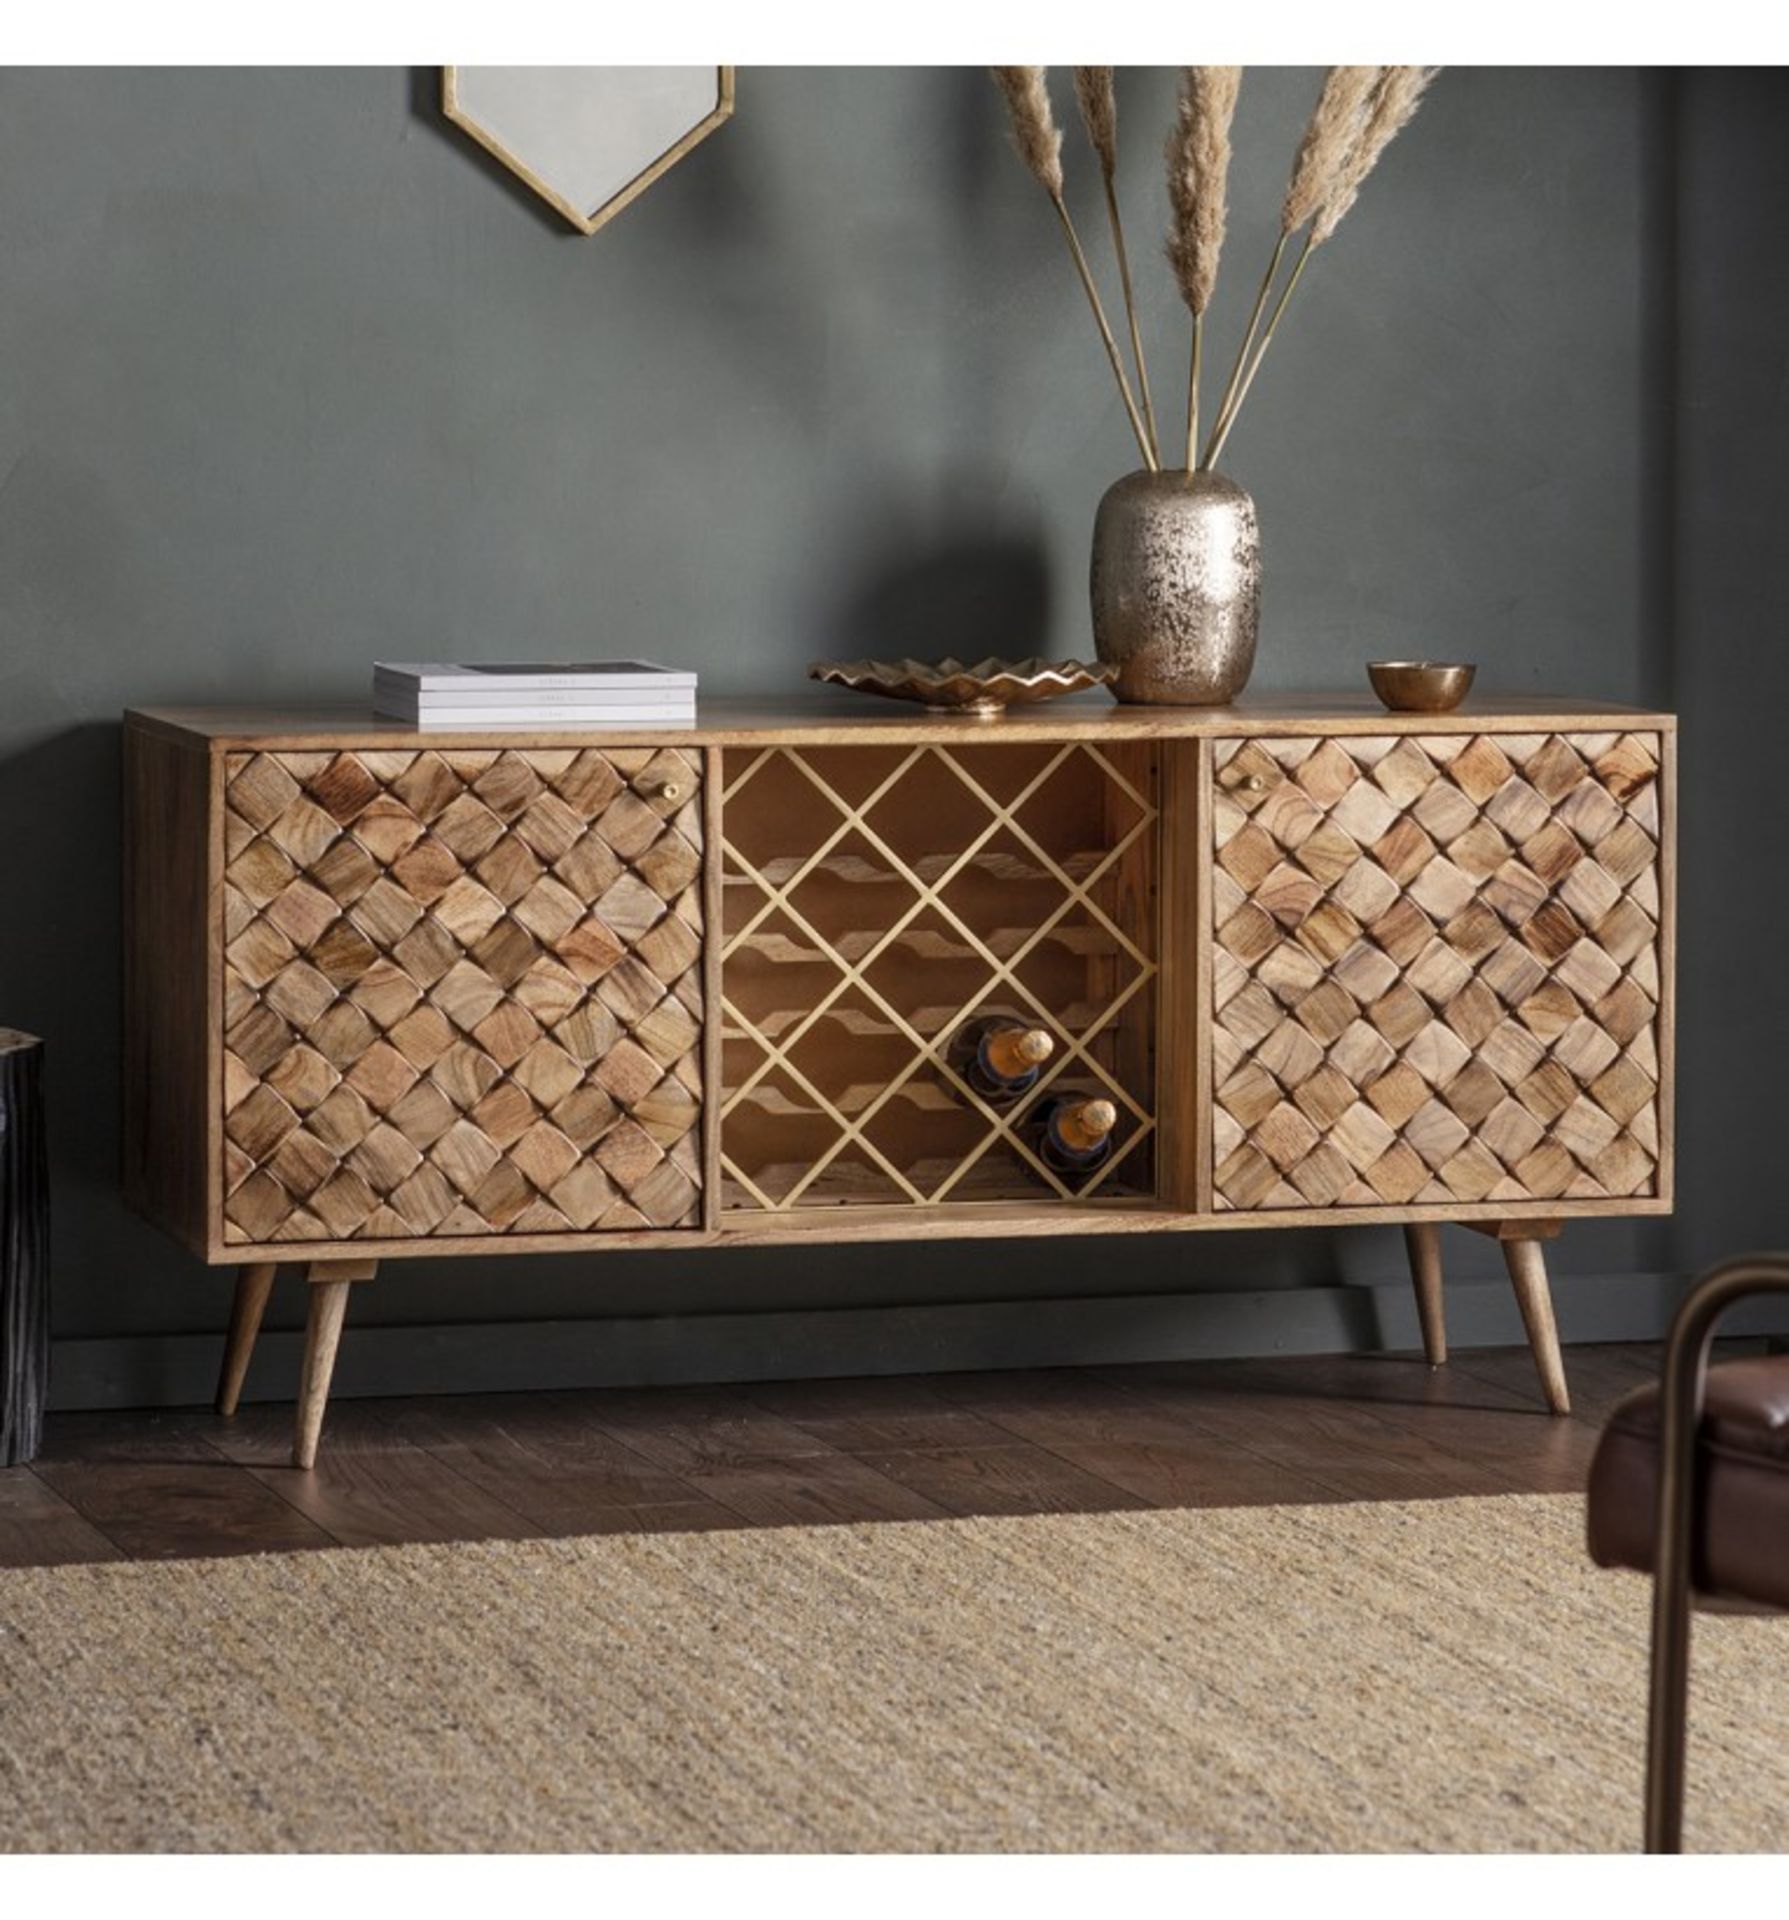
603, 693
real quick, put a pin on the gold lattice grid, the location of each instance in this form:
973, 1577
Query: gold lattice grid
929, 1054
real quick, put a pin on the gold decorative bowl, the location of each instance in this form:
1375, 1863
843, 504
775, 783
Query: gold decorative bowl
1420, 686
983, 691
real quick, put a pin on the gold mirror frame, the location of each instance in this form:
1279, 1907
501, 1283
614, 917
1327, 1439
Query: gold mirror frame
589, 222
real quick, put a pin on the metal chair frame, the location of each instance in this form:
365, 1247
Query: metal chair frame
1674, 1595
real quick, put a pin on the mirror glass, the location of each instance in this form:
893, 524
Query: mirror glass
588, 139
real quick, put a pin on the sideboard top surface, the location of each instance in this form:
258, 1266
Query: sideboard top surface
848, 719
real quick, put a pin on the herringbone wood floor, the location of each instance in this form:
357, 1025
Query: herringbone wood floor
152, 1485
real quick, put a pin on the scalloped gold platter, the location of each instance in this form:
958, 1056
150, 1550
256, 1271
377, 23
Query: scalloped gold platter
982, 690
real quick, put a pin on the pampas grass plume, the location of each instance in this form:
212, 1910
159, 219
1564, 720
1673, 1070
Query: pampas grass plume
1097, 98
1394, 101
1035, 132
1039, 141
1329, 139
1198, 178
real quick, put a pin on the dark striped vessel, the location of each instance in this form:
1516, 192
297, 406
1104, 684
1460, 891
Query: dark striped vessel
24, 1249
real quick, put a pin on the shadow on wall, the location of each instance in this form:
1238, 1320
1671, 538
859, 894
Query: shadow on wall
59, 978
930, 566
973, 134
967, 597
59, 943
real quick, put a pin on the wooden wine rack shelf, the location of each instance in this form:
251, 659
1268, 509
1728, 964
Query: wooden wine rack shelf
392, 993
875, 902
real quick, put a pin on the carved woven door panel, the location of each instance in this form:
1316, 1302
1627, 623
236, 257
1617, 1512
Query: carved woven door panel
1437, 974
462, 993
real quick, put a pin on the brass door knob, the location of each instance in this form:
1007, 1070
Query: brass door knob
1253, 784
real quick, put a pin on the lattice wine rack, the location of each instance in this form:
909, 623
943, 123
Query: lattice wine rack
874, 900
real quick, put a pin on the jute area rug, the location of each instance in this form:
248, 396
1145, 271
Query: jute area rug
1440, 1675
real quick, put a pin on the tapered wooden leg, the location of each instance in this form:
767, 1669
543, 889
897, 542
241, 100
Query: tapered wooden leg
1528, 1275
253, 1285
330, 1281
1423, 1243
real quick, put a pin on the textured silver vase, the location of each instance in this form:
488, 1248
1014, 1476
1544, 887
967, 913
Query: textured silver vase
1177, 587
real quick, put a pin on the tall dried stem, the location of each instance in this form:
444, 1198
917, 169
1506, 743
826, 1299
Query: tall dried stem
1198, 184
1144, 446
1097, 97
1192, 389
1221, 432
1329, 137
1390, 105
1228, 398
1039, 142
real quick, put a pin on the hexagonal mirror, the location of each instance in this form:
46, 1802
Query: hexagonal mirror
588, 139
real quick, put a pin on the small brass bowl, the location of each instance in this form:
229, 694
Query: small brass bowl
1420, 686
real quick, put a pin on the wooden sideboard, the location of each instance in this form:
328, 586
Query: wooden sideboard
392, 993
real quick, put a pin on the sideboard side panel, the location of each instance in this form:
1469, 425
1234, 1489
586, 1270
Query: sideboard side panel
1205, 1005
170, 1116
713, 766
1183, 1075
1667, 1019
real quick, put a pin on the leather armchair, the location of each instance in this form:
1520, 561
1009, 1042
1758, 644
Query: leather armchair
1690, 1482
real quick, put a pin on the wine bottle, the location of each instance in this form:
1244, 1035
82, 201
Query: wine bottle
1071, 1132
1000, 1057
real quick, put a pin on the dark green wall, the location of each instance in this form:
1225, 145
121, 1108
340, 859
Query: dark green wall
291, 377
1729, 585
